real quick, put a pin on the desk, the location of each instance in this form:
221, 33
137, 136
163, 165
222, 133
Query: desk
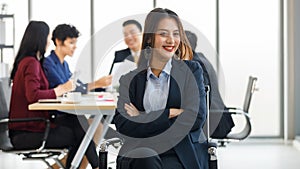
88, 106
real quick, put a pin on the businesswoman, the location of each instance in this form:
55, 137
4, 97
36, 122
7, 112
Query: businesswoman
29, 85
161, 107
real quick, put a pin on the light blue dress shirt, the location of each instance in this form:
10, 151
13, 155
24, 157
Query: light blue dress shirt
157, 89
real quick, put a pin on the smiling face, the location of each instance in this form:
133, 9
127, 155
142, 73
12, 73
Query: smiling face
132, 37
68, 46
167, 39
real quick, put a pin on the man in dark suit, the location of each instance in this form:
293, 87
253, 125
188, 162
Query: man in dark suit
220, 123
132, 31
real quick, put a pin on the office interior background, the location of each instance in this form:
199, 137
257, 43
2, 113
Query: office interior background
240, 37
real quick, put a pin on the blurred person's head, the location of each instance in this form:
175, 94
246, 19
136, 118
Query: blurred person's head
192, 38
132, 31
164, 36
34, 43
64, 37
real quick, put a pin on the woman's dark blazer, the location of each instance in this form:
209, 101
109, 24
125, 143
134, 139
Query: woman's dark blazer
155, 130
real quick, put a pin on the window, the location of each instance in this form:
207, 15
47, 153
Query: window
250, 45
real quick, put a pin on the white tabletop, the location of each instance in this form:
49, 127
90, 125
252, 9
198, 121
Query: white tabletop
89, 104
97, 104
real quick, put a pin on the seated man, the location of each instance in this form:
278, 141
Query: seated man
220, 124
132, 31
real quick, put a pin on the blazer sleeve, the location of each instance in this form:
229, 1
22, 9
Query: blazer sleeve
192, 99
144, 125
198, 76
34, 89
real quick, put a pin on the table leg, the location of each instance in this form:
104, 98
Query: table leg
86, 140
106, 123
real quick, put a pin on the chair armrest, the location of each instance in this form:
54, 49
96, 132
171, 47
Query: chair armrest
231, 111
115, 142
233, 108
46, 132
240, 135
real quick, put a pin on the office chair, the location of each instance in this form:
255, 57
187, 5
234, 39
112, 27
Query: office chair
242, 112
40, 153
211, 145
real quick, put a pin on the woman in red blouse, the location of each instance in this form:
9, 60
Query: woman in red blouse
29, 85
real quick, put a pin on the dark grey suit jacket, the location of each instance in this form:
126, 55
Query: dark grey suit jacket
120, 56
220, 123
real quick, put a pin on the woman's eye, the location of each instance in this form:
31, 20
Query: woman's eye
176, 34
164, 34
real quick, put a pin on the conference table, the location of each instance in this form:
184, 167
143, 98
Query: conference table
96, 104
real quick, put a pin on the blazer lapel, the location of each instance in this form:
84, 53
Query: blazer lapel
176, 84
179, 73
138, 90
177, 80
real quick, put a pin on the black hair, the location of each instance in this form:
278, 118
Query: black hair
64, 31
34, 41
128, 22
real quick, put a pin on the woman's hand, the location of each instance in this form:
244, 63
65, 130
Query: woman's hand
175, 112
131, 109
64, 88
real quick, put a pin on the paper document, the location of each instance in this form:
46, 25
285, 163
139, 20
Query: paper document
120, 69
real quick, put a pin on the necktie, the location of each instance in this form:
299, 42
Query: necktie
135, 57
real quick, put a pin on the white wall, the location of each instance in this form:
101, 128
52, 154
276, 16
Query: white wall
77, 13
20, 16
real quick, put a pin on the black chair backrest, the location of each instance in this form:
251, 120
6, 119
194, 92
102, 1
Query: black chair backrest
5, 92
250, 90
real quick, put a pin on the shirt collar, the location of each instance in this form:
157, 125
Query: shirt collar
166, 70
54, 57
133, 53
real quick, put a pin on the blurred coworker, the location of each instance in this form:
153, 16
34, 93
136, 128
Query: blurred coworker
57, 69
29, 85
57, 72
161, 107
132, 31
220, 123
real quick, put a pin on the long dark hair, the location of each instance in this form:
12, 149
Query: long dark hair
150, 28
34, 41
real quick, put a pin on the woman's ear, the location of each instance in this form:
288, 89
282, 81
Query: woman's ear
58, 42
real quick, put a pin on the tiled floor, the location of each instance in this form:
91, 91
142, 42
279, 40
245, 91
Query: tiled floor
11, 161
259, 154
249, 154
